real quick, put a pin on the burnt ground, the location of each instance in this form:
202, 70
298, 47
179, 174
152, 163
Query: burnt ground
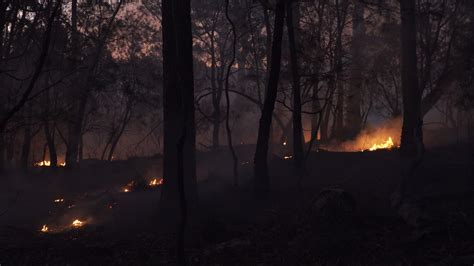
231, 227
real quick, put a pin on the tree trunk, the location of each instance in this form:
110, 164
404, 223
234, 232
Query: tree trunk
262, 181
178, 101
2, 150
53, 157
412, 135
25, 151
297, 124
354, 92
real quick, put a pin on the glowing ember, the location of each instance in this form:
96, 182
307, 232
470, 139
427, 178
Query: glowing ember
59, 200
284, 143
388, 144
44, 229
287, 157
77, 223
48, 163
43, 163
156, 182
128, 187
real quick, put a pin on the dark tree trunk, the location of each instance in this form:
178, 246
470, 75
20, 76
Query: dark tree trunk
262, 181
2, 150
179, 165
53, 156
25, 151
178, 100
297, 124
315, 108
354, 92
412, 136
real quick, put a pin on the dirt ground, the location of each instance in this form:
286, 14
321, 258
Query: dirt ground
231, 227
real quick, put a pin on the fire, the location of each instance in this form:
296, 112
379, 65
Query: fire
287, 157
48, 163
156, 182
44, 229
77, 223
128, 187
388, 144
59, 200
284, 143
43, 163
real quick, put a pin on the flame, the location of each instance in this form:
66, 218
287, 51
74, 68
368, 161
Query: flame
59, 200
48, 163
156, 182
287, 157
128, 187
388, 144
284, 143
77, 223
44, 229
43, 163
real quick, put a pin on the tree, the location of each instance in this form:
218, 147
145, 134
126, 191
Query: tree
262, 181
412, 135
297, 124
179, 165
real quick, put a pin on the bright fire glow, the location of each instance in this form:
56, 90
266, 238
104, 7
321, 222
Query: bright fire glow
156, 182
59, 200
388, 144
48, 163
77, 223
287, 157
44, 229
284, 143
43, 163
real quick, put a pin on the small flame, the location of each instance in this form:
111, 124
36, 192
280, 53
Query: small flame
44, 229
59, 200
48, 163
287, 157
156, 182
77, 223
388, 144
125, 190
284, 143
43, 163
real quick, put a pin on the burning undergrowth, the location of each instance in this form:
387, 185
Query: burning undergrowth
385, 136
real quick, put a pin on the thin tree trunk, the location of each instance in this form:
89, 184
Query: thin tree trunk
262, 181
25, 151
297, 124
53, 157
354, 92
235, 160
125, 121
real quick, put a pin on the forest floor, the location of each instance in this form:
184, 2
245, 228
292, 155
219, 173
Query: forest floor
231, 227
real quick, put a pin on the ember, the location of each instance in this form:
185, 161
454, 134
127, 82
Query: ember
48, 163
43, 163
44, 229
156, 182
128, 187
77, 223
